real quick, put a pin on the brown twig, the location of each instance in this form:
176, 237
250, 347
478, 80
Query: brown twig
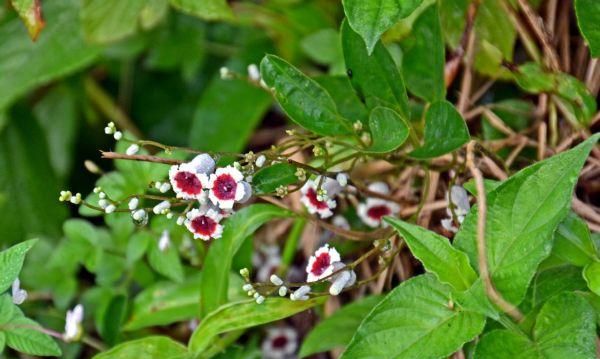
484, 272
143, 158
537, 24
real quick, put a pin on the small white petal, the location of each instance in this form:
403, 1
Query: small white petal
110, 208
260, 161
276, 280
132, 150
133, 203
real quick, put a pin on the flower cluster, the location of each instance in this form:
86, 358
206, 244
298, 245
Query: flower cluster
215, 190
318, 196
458, 201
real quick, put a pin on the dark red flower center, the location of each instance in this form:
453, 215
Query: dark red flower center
280, 341
204, 225
320, 264
311, 194
376, 212
224, 187
188, 182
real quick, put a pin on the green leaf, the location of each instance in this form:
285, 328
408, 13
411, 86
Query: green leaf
11, 262
165, 303
453, 20
106, 21
591, 274
21, 336
219, 126
564, 328
523, 213
415, 321
245, 314
165, 262
388, 130
344, 96
30, 11
217, 263
25, 65
449, 264
573, 242
423, 57
323, 47
112, 316
445, 131
588, 13
2, 342
303, 99
375, 77
552, 281
267, 179
137, 245
8, 310
495, 38
371, 19
531, 77
148, 347
205, 9
338, 328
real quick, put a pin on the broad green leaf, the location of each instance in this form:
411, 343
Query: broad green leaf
495, 38
371, 19
137, 246
415, 320
2, 342
106, 21
219, 126
388, 130
564, 328
11, 262
25, 64
449, 264
153, 12
573, 242
205, 9
375, 77
423, 57
28, 208
8, 310
338, 328
112, 316
579, 99
217, 263
445, 131
531, 77
269, 178
165, 303
453, 20
323, 47
30, 11
591, 273
21, 336
148, 347
60, 131
523, 213
165, 262
245, 314
344, 96
588, 12
303, 99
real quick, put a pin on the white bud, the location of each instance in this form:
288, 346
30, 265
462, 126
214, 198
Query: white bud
170, 215
260, 161
110, 208
102, 195
282, 291
161, 207
132, 150
157, 185
260, 299
253, 72
76, 199
180, 220
97, 189
139, 215
133, 203
275, 279
342, 179
247, 287
118, 135
225, 73
164, 187
103, 203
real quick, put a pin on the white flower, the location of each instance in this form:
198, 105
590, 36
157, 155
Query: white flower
132, 150
260, 161
226, 187
18, 295
187, 182
204, 223
161, 207
458, 198
320, 201
253, 73
374, 209
321, 264
133, 203
280, 343
164, 241
300, 293
73, 328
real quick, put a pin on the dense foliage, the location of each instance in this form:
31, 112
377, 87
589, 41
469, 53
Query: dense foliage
299, 178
